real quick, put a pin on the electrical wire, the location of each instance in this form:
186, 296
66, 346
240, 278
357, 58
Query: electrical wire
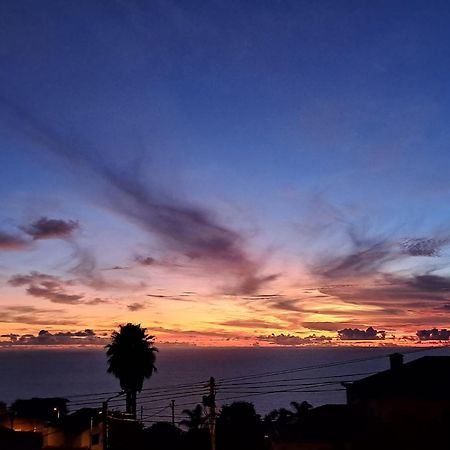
242, 385
221, 385
89, 398
318, 366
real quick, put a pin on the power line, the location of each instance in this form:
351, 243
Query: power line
318, 366
276, 392
162, 396
155, 389
157, 413
296, 379
239, 383
318, 383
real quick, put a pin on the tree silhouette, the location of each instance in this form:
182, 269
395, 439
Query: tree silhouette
239, 427
300, 409
197, 435
286, 424
131, 359
196, 418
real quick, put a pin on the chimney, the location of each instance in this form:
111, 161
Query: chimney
396, 360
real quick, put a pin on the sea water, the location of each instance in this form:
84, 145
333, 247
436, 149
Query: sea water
241, 374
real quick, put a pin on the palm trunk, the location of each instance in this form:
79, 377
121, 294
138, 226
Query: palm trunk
131, 403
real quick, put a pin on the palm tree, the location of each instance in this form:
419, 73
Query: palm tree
196, 418
131, 359
301, 409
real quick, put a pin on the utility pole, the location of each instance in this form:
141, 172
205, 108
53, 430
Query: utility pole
212, 412
105, 419
91, 426
105, 424
172, 405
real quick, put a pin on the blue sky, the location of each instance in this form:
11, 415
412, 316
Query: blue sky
291, 134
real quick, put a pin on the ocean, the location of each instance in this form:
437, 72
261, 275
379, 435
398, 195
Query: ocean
183, 373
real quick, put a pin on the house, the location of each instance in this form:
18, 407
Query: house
82, 429
36, 414
85, 429
406, 406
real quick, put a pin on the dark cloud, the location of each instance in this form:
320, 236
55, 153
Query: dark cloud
250, 284
181, 227
12, 242
12, 337
136, 306
54, 294
430, 283
52, 288
433, 335
325, 326
424, 246
145, 260
169, 262
41, 229
46, 286
355, 334
45, 228
33, 277
45, 337
292, 340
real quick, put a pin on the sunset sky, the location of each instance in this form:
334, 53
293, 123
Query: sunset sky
225, 172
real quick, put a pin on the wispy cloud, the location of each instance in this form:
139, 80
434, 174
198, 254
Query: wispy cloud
46, 286
181, 227
31, 315
97, 301
12, 242
248, 323
86, 272
364, 255
392, 291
